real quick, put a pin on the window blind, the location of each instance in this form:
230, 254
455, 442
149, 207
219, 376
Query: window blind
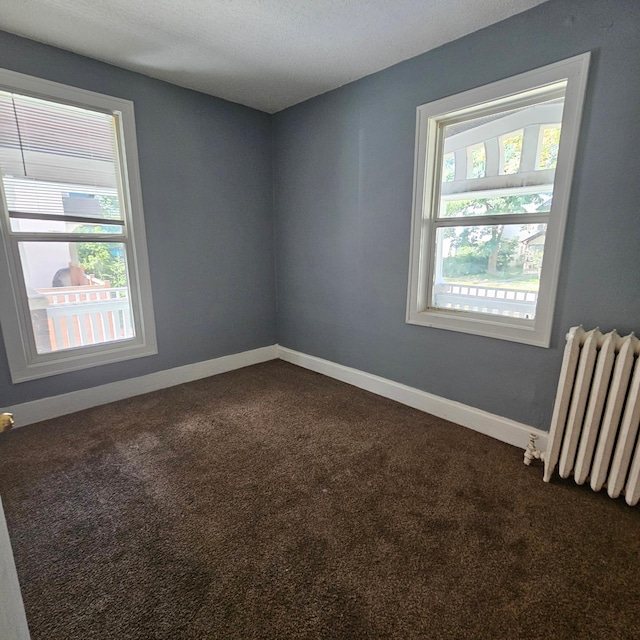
51, 153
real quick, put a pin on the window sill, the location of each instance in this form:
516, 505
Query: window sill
76, 360
524, 332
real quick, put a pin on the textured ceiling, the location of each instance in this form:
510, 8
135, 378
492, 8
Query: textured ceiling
267, 54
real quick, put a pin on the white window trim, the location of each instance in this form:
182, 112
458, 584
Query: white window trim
24, 362
427, 171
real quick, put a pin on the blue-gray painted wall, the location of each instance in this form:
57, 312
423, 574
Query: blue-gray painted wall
343, 178
206, 178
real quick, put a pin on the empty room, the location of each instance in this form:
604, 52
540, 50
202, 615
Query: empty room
318, 319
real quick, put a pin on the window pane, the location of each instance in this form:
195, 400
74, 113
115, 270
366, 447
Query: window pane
492, 269
510, 152
466, 204
78, 293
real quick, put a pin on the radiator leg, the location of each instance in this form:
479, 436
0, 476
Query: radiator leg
532, 452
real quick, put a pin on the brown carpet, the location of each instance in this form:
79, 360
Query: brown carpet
272, 502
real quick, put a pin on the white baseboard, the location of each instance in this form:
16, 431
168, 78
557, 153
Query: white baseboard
498, 427
503, 429
55, 406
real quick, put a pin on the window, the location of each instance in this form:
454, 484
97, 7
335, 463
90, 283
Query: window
492, 179
74, 277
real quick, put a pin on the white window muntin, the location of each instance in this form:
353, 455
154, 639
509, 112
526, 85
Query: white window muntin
522, 90
24, 361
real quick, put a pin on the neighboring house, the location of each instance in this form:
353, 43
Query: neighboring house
533, 248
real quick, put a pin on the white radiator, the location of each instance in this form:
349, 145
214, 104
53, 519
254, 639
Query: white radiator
594, 428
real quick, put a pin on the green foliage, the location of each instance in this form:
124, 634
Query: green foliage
513, 152
549, 148
466, 262
448, 168
496, 205
110, 207
104, 260
478, 162
481, 250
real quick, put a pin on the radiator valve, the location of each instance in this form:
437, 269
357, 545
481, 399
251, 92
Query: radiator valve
532, 452
6, 422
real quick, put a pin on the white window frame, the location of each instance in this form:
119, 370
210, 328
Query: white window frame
24, 361
428, 161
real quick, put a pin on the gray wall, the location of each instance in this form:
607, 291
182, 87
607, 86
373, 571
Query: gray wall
206, 183
343, 185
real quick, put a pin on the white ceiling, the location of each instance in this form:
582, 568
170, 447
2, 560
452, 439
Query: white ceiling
267, 54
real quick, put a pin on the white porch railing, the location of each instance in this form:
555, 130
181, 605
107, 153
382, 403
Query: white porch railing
514, 303
81, 316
